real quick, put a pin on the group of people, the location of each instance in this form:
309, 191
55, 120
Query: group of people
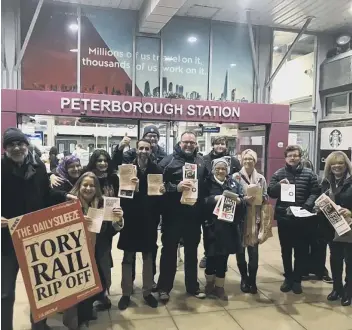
26, 187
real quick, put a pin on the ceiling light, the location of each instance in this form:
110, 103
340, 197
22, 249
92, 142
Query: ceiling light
74, 50
343, 40
276, 48
233, 65
73, 27
192, 39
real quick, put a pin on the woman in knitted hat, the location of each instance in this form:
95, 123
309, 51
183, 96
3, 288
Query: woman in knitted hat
249, 177
224, 237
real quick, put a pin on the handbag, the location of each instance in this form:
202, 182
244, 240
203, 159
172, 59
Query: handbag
266, 222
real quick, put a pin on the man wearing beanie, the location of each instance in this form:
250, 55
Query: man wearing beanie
220, 149
25, 189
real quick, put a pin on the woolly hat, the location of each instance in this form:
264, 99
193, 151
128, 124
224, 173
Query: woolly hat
251, 153
13, 135
151, 129
217, 161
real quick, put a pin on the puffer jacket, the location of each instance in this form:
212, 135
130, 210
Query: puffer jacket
307, 189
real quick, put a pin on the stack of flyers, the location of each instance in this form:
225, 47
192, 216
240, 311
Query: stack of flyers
111, 203
226, 206
126, 173
190, 197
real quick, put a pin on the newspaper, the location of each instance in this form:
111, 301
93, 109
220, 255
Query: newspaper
331, 211
190, 197
127, 188
155, 182
127, 172
228, 206
217, 206
109, 204
190, 171
257, 192
97, 216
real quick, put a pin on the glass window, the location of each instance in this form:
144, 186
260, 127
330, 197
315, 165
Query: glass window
186, 57
106, 50
295, 79
232, 69
337, 104
301, 111
50, 59
147, 67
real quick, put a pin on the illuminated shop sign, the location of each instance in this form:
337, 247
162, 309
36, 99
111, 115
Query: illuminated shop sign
87, 105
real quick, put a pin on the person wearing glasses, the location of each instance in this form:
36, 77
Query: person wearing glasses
180, 220
303, 192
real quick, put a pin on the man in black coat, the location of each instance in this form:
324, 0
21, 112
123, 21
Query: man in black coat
292, 230
25, 188
150, 133
220, 149
180, 220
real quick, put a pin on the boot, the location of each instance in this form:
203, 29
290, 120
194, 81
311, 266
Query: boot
252, 279
219, 290
210, 284
337, 292
245, 288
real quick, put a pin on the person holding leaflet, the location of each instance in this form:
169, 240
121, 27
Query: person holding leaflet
293, 185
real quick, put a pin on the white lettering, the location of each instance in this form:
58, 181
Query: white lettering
178, 109
138, 106
94, 105
226, 112
65, 101
105, 105
190, 110
75, 104
148, 107
236, 112
129, 107
115, 106
85, 104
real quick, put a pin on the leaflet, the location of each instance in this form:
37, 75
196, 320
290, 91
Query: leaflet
126, 173
228, 206
97, 216
155, 182
288, 193
331, 211
217, 206
190, 197
190, 171
111, 203
298, 212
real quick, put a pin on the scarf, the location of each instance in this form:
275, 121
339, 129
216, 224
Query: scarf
250, 237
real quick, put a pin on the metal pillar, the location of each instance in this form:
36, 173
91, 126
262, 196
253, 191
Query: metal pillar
304, 28
29, 33
79, 15
253, 52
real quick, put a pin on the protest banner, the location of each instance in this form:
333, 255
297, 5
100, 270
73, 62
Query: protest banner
56, 258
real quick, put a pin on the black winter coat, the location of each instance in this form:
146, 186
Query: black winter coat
141, 215
172, 167
24, 189
223, 237
307, 189
234, 167
343, 198
119, 157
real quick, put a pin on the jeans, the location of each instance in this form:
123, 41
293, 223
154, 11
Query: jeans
216, 265
338, 253
9, 267
292, 238
127, 282
171, 237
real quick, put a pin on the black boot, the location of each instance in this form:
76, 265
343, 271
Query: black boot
252, 279
245, 288
124, 302
337, 292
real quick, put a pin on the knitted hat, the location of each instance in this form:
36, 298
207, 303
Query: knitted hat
251, 153
13, 135
151, 129
217, 161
